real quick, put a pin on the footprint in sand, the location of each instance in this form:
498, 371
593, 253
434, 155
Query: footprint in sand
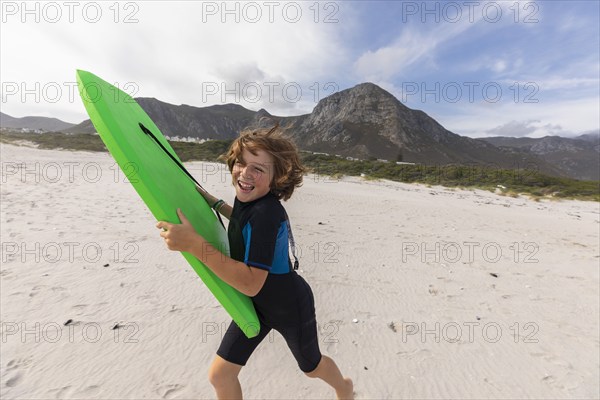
88, 392
569, 381
129, 284
5, 273
549, 379
13, 367
418, 355
174, 309
36, 290
16, 364
61, 393
80, 307
169, 391
14, 381
554, 360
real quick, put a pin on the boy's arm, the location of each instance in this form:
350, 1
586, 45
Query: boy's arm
225, 209
183, 237
245, 279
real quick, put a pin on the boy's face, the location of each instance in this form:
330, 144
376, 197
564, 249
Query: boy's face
252, 175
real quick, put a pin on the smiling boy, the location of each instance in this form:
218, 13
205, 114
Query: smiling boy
265, 169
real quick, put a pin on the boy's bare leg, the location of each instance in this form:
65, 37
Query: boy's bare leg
328, 371
223, 375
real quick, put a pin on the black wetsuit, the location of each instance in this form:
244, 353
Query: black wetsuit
258, 237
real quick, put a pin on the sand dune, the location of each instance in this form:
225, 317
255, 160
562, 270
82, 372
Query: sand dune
421, 292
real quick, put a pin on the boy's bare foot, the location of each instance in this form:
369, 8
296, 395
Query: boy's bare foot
347, 393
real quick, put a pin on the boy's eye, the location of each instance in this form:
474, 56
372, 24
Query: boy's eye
251, 167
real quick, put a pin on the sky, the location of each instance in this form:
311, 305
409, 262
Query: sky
480, 68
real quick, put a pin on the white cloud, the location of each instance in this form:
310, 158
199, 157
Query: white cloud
499, 66
171, 53
561, 83
549, 117
389, 61
514, 128
531, 128
413, 46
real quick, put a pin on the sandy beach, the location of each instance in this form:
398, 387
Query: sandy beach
421, 292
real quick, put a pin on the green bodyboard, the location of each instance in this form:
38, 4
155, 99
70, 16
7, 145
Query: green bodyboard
160, 182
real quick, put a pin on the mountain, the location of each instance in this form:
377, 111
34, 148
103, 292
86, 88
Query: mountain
213, 122
34, 123
366, 121
84, 127
593, 137
578, 157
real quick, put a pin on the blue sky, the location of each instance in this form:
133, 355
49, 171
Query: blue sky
481, 68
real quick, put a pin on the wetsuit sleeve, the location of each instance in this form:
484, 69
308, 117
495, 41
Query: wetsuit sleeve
260, 236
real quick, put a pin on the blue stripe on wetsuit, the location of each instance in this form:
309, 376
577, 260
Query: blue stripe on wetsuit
262, 251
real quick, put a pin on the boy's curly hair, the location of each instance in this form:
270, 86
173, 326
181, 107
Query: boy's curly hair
287, 169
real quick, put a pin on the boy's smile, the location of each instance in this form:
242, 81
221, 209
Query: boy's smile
252, 175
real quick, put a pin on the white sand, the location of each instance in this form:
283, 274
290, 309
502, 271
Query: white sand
369, 252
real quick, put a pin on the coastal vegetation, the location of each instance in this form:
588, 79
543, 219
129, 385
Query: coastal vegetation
509, 182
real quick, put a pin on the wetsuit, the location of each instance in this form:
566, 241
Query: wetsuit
258, 237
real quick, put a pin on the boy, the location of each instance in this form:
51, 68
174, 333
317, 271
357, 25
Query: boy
265, 168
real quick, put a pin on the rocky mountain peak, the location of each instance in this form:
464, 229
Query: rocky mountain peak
366, 121
364, 101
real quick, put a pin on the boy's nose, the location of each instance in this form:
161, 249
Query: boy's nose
245, 173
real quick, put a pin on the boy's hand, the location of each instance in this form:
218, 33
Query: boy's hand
179, 237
